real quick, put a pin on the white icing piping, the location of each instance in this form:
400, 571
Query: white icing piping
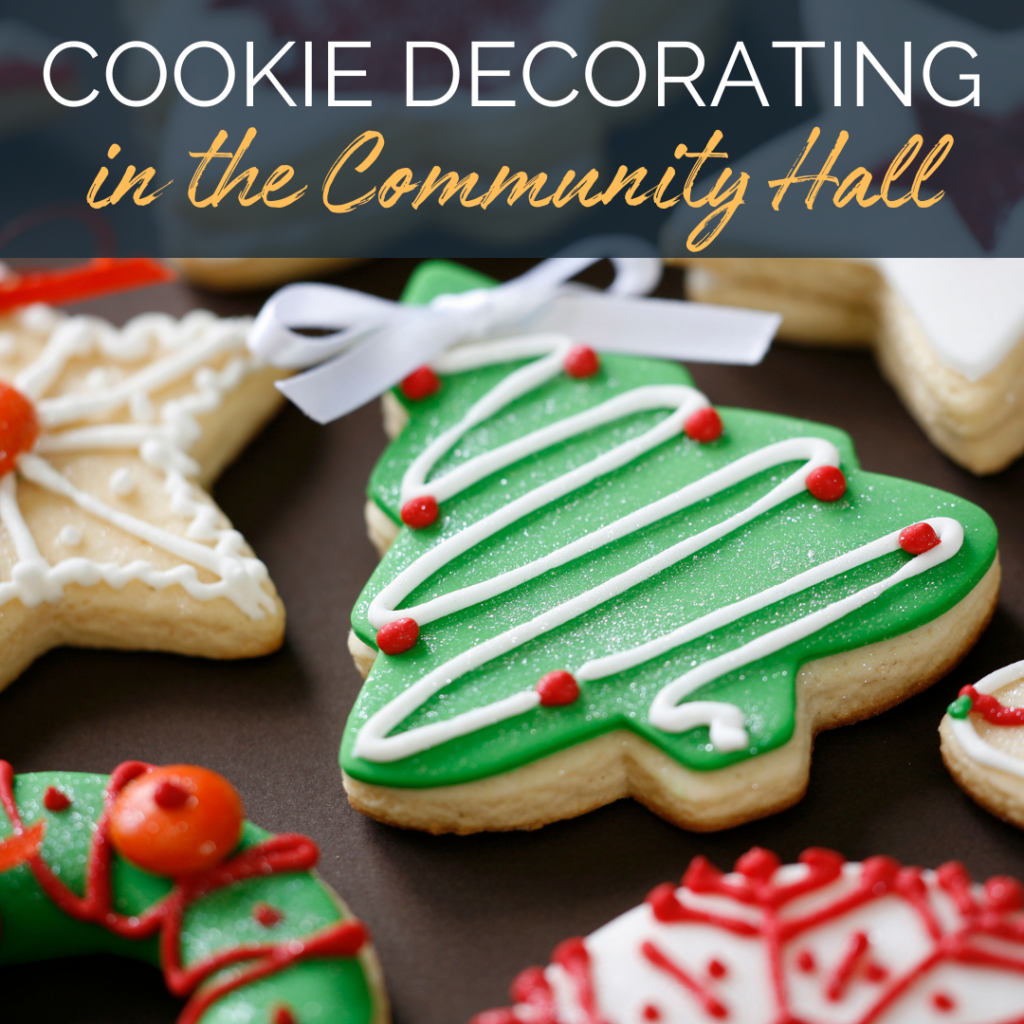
191, 343
974, 746
727, 724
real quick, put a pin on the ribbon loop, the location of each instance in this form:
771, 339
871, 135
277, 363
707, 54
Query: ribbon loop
374, 343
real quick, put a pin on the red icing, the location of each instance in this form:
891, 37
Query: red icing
398, 637
279, 854
267, 915
420, 384
97, 277
991, 710
573, 958
169, 795
56, 801
19, 426
651, 1012
420, 512
966, 941
283, 1015
557, 688
717, 969
581, 361
826, 483
21, 847
918, 539
704, 425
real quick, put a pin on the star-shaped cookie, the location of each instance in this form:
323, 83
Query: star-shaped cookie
108, 536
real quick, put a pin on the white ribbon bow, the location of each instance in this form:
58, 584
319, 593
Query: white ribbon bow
376, 343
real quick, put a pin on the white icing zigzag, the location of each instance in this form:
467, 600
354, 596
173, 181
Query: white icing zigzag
160, 435
726, 721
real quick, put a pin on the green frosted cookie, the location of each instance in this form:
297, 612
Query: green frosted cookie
247, 933
602, 586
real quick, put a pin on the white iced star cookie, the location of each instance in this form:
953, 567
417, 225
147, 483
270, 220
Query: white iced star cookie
108, 439
948, 333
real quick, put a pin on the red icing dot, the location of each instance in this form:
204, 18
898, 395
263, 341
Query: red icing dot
420, 384
557, 688
170, 795
651, 1012
19, 426
918, 539
717, 969
758, 863
805, 961
267, 915
582, 361
875, 972
1003, 893
704, 425
826, 483
944, 1002
283, 1015
398, 637
420, 512
54, 800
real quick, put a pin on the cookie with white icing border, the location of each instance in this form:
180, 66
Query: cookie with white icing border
948, 334
158, 864
607, 588
823, 941
982, 737
110, 438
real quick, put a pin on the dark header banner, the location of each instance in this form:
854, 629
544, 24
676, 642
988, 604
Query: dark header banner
234, 128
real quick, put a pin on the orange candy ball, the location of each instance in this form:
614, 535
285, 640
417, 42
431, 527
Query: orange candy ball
177, 820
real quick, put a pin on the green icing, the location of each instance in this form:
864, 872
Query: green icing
32, 928
960, 708
799, 534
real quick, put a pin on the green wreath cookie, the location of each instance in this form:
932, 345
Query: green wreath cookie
159, 864
602, 586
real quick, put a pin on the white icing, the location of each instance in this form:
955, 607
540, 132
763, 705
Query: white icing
160, 435
121, 482
70, 536
625, 982
967, 735
727, 725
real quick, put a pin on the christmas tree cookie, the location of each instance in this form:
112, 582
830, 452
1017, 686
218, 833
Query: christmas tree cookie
109, 438
602, 586
158, 864
820, 942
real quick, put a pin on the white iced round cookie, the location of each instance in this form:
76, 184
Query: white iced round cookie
819, 942
983, 742
109, 538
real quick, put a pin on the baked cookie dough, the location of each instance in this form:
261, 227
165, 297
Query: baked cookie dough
948, 334
823, 941
983, 742
110, 438
158, 864
601, 586
243, 272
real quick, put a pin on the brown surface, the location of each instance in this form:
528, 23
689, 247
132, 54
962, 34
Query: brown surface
455, 918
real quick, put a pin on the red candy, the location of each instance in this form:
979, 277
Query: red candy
918, 539
176, 820
826, 483
398, 637
704, 425
283, 1015
267, 915
19, 426
582, 361
557, 688
420, 512
56, 801
420, 384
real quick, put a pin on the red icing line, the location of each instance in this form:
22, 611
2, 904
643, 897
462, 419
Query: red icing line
710, 1004
21, 847
56, 801
95, 278
573, 958
990, 709
276, 855
983, 915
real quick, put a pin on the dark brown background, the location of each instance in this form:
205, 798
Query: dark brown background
455, 918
